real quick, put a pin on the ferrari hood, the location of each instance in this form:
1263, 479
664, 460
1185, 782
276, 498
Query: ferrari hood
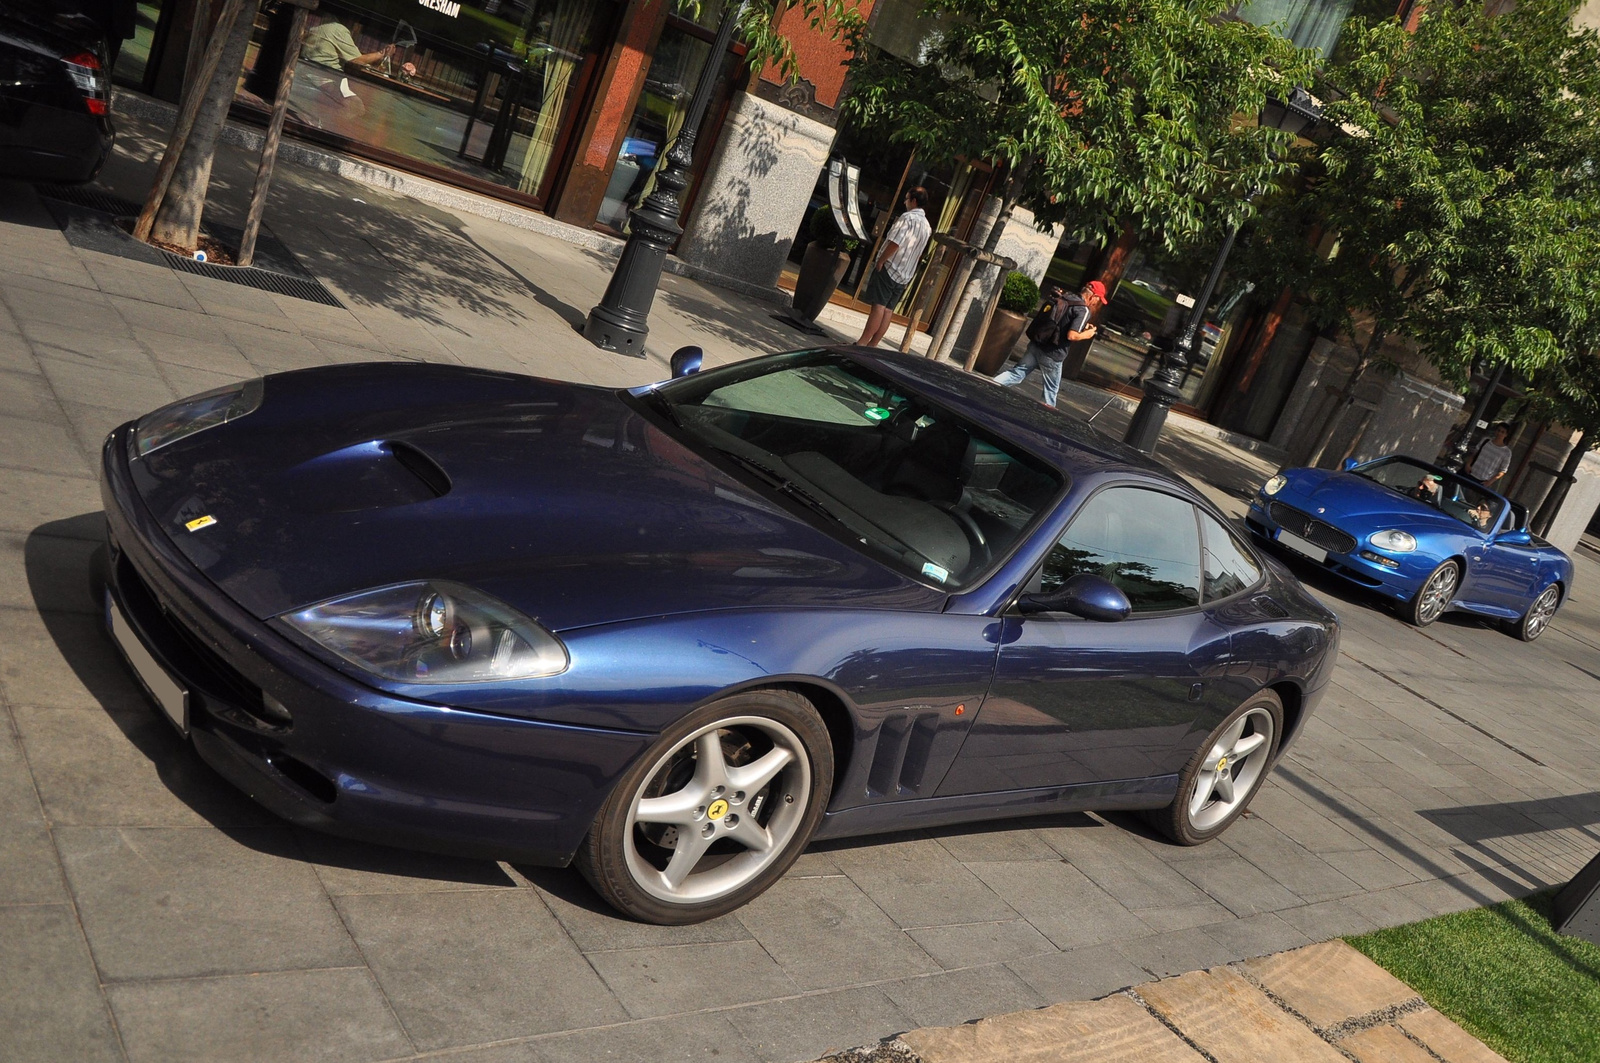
560, 500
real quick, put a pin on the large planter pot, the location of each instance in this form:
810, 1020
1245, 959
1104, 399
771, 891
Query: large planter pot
820, 272
1004, 331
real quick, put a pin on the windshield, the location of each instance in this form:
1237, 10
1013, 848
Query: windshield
914, 484
1461, 499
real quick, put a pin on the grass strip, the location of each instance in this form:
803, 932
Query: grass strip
1505, 976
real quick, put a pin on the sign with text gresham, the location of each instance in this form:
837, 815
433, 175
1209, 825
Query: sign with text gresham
444, 7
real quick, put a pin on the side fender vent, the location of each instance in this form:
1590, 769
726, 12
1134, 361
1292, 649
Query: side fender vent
900, 756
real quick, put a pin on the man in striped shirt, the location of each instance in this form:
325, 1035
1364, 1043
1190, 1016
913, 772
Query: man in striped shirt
897, 264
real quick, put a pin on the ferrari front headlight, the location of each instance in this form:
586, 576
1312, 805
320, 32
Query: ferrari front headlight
432, 632
195, 414
1398, 542
1274, 485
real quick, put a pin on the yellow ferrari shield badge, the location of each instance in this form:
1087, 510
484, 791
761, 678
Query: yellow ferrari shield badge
200, 522
718, 809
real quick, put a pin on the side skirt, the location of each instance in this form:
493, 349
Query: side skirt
1155, 792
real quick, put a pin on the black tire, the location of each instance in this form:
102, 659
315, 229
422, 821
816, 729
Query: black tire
1433, 598
630, 862
1185, 823
1540, 612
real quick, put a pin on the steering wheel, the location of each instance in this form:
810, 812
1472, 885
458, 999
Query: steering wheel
970, 529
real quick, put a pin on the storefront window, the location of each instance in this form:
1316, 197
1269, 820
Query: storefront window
133, 60
480, 87
674, 71
1311, 24
1144, 318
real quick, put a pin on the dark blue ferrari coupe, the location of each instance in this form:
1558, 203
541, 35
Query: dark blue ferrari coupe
674, 633
1430, 539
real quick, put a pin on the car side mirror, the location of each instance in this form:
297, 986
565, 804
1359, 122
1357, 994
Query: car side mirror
686, 360
1091, 597
1515, 537
1347, 464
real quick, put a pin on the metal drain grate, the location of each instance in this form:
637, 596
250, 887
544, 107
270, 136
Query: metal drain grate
287, 277
91, 198
311, 290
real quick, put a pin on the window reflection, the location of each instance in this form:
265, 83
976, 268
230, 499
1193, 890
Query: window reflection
1145, 542
133, 58
484, 88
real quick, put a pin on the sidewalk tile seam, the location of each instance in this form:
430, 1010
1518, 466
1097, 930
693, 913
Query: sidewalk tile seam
355, 943
66, 884
458, 1050
1155, 1013
1382, 1017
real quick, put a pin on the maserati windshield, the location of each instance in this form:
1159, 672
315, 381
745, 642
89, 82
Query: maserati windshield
918, 486
1461, 499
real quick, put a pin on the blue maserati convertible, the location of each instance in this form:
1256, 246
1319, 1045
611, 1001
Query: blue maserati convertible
1430, 539
674, 633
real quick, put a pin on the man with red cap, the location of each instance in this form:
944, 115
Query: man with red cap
1062, 322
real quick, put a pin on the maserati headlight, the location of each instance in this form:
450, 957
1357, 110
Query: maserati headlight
195, 414
1274, 485
1398, 542
432, 632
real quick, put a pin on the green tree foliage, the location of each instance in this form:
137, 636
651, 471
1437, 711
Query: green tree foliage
1458, 191
1106, 111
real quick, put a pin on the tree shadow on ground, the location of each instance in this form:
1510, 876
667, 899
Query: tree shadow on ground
379, 249
741, 325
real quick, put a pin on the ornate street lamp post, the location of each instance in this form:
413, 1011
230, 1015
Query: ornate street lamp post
1456, 459
620, 322
1292, 116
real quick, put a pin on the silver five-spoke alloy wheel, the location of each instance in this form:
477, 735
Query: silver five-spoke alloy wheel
1436, 594
1540, 613
1230, 770
717, 809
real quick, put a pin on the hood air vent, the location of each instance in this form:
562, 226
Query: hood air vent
422, 467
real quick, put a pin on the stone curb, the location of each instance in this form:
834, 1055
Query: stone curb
1322, 1003
136, 105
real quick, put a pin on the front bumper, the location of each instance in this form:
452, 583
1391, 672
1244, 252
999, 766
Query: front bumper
1400, 582
351, 760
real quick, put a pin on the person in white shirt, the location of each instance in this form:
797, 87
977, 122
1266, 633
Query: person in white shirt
897, 264
1493, 459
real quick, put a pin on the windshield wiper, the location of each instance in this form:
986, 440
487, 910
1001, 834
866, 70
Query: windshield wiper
783, 483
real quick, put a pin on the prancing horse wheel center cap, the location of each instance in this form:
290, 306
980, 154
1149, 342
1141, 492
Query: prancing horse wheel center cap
718, 809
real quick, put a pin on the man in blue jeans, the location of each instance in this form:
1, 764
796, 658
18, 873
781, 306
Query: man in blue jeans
1072, 326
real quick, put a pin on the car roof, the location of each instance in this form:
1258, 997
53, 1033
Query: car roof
1067, 444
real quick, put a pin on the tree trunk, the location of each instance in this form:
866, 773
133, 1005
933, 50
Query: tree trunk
178, 221
1346, 396
974, 281
1558, 491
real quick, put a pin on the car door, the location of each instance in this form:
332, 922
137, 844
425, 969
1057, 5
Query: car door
1082, 701
1507, 569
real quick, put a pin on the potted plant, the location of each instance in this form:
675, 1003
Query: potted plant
826, 259
1018, 300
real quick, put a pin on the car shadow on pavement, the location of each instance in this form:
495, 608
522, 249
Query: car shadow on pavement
96, 768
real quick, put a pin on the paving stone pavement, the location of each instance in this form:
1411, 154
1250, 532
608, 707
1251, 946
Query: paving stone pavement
150, 912
1322, 1003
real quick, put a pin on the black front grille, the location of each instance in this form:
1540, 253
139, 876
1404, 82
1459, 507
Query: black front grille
1311, 529
222, 689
